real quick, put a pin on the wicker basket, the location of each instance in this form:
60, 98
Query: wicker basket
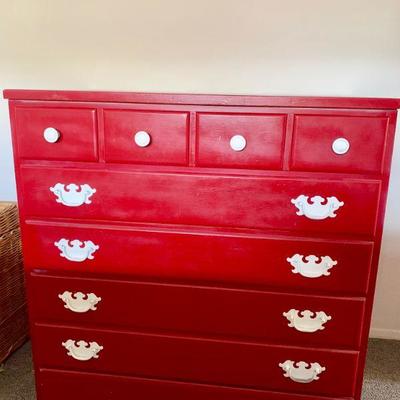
13, 315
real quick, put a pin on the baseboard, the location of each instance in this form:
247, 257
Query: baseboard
378, 333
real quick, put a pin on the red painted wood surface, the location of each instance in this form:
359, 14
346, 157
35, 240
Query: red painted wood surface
366, 135
214, 205
67, 385
77, 127
167, 149
208, 200
168, 132
198, 360
199, 311
237, 259
203, 99
264, 134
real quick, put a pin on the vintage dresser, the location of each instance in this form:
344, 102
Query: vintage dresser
201, 247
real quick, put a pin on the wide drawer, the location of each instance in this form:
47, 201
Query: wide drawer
304, 264
309, 205
49, 133
146, 137
339, 143
265, 316
198, 360
67, 385
240, 140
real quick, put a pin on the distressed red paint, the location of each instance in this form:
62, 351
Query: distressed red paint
193, 240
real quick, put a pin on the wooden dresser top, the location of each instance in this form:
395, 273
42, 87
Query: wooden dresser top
202, 99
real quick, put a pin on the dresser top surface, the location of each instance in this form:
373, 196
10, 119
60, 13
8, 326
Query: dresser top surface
203, 99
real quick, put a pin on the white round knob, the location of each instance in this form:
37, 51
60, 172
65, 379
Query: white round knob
142, 139
238, 142
51, 135
340, 146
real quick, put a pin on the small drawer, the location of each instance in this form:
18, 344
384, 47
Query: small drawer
229, 313
56, 133
258, 261
240, 140
351, 144
193, 359
146, 137
67, 385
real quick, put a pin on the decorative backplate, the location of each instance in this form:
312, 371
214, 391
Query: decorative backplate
316, 210
75, 250
81, 350
301, 371
307, 321
79, 302
73, 195
312, 267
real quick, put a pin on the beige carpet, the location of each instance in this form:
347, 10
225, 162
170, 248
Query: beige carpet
382, 376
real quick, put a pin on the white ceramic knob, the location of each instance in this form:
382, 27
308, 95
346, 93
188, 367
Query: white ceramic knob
51, 135
238, 142
142, 138
340, 146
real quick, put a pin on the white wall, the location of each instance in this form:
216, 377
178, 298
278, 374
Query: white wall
298, 47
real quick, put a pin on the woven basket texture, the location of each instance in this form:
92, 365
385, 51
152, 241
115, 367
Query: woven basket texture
13, 314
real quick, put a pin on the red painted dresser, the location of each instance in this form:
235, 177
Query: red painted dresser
200, 247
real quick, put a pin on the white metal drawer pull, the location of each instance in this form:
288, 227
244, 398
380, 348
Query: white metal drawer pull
51, 135
73, 195
79, 302
302, 372
307, 321
82, 351
313, 267
142, 138
75, 250
315, 209
238, 143
340, 146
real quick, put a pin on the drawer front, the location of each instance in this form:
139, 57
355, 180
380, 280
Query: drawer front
56, 133
194, 360
198, 257
339, 143
146, 137
308, 205
67, 385
242, 141
271, 317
